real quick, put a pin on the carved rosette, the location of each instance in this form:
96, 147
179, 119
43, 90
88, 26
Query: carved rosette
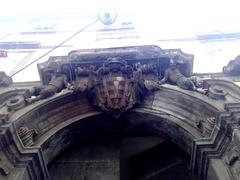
216, 92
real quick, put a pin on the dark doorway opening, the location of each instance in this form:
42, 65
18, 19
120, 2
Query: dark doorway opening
165, 161
124, 156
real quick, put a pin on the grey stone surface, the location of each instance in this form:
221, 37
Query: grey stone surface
202, 126
217, 170
236, 135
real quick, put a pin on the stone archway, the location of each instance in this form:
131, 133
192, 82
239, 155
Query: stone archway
99, 123
121, 89
193, 121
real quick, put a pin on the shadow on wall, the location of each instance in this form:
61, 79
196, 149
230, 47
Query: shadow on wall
110, 157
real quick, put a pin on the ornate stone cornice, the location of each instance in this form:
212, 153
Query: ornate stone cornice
124, 94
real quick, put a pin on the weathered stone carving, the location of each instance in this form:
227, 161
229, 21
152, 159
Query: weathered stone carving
216, 92
84, 78
15, 103
5, 167
233, 67
26, 135
206, 126
57, 83
198, 81
147, 76
116, 86
168, 112
173, 75
5, 80
3, 118
3, 170
232, 159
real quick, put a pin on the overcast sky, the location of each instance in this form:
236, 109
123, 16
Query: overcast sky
153, 19
205, 14
197, 8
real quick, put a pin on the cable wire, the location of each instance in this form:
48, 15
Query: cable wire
72, 36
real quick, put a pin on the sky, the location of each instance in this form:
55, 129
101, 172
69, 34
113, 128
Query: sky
160, 14
183, 8
155, 21
154, 13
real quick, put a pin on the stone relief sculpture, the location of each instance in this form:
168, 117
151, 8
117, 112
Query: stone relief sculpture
233, 67
216, 92
173, 75
232, 158
116, 86
206, 126
83, 76
57, 83
147, 76
15, 103
26, 135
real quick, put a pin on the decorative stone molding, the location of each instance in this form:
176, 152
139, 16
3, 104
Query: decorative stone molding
26, 135
216, 92
15, 103
232, 157
116, 86
207, 128
4, 170
113, 80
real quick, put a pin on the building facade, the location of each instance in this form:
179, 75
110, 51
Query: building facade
120, 91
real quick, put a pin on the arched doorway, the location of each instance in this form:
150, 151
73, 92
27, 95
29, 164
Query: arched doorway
122, 155
175, 115
134, 140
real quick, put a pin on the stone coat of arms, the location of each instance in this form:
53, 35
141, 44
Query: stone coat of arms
115, 87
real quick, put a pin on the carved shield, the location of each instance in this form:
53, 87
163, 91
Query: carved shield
116, 90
